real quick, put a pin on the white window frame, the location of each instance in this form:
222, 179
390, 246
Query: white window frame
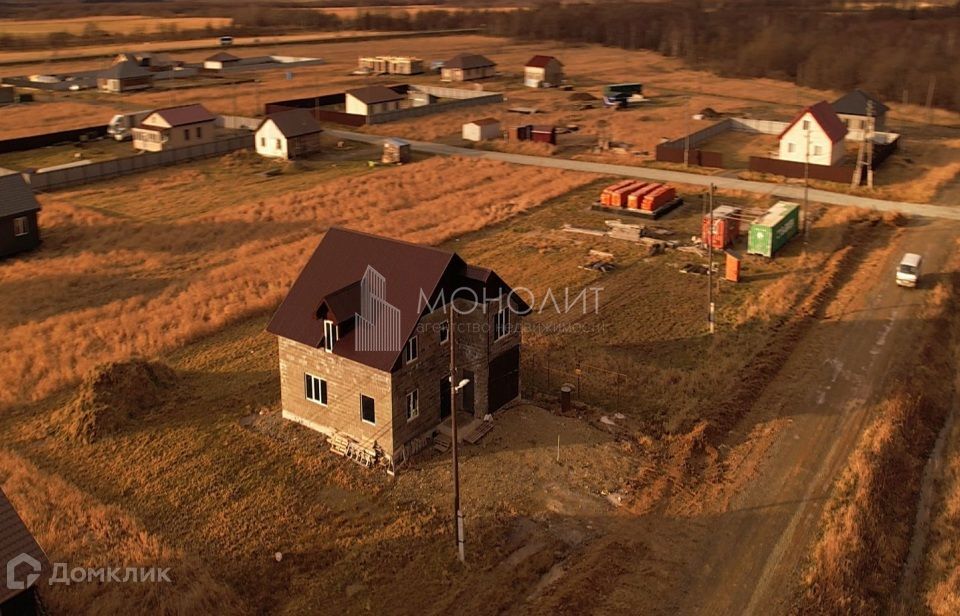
413, 405
374, 402
411, 350
501, 330
21, 226
791, 146
806, 125
329, 335
443, 331
322, 389
818, 150
279, 147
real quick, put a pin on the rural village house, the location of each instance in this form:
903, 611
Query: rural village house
24, 559
288, 134
392, 65
855, 110
154, 62
18, 214
124, 77
816, 135
219, 61
481, 130
175, 127
542, 71
364, 341
372, 100
466, 67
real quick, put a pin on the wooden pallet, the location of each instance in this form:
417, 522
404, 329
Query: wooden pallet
481, 431
339, 444
359, 455
442, 443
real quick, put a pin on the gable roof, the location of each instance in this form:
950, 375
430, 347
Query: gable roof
824, 115
330, 281
541, 61
180, 116
222, 57
855, 103
371, 95
15, 539
16, 196
468, 60
293, 123
126, 69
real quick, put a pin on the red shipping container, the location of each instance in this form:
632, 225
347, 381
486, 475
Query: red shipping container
726, 227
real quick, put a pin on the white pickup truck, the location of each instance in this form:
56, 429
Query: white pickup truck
908, 272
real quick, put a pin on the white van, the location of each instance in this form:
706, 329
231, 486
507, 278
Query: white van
908, 272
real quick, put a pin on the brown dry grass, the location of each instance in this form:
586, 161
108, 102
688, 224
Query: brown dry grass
75, 528
146, 287
942, 595
868, 524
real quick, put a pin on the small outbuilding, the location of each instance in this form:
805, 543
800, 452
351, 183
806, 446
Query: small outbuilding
544, 133
124, 76
468, 66
542, 72
815, 136
7, 94
395, 151
372, 100
18, 214
175, 127
481, 130
288, 134
220, 61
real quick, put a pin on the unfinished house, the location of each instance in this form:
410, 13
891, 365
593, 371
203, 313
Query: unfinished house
364, 344
175, 127
26, 565
372, 100
288, 135
467, 67
18, 214
542, 72
391, 65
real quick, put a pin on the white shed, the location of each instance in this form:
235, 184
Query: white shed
815, 136
481, 130
288, 134
373, 100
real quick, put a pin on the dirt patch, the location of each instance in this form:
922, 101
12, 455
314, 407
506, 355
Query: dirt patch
112, 397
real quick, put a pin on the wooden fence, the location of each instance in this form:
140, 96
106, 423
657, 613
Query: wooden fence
107, 169
20, 144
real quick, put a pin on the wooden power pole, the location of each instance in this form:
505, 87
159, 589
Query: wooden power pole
454, 381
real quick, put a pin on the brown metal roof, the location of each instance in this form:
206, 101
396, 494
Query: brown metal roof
485, 121
294, 123
181, 116
824, 115
541, 61
126, 69
222, 57
410, 271
468, 60
16, 540
371, 95
855, 103
16, 196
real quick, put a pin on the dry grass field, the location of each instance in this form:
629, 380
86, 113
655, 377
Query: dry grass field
111, 24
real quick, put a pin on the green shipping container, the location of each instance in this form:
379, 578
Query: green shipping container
771, 231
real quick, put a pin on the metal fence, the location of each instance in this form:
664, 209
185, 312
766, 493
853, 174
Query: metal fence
107, 169
544, 374
20, 144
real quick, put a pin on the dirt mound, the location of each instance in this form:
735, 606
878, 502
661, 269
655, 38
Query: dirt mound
582, 96
111, 396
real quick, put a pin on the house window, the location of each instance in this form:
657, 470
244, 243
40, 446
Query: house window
186, 134
444, 329
791, 147
413, 404
263, 142
278, 144
315, 389
199, 132
329, 335
21, 226
410, 350
501, 323
817, 150
368, 412
806, 125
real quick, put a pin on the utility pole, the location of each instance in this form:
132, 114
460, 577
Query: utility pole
930, 90
871, 125
806, 187
454, 382
686, 137
710, 306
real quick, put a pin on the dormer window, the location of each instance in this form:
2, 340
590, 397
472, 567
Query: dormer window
329, 335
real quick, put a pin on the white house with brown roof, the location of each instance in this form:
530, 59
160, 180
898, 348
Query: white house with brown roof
372, 100
288, 134
542, 71
124, 76
220, 61
816, 136
468, 66
364, 342
482, 129
175, 127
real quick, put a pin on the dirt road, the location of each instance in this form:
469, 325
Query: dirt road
787, 191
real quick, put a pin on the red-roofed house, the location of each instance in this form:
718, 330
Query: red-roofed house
542, 71
816, 135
